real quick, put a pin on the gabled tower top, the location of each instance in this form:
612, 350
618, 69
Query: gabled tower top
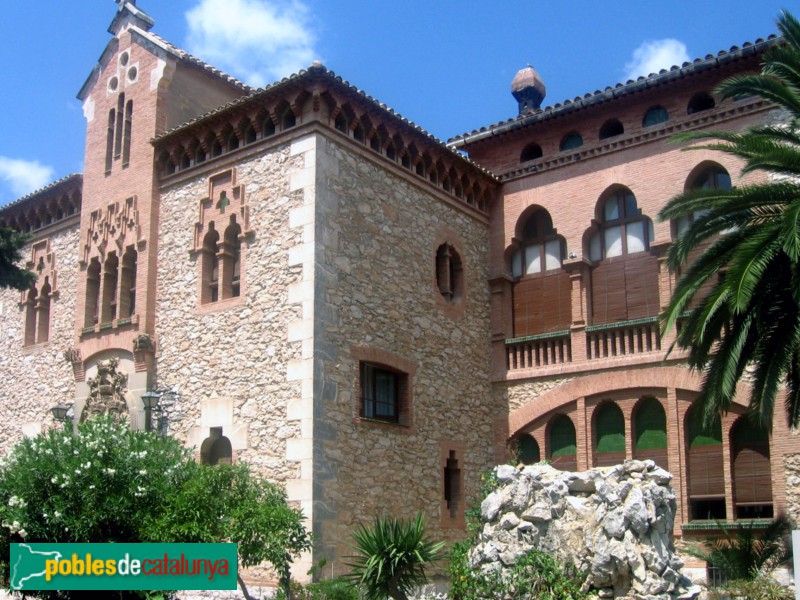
127, 15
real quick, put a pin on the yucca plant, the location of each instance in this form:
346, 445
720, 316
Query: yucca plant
751, 318
390, 557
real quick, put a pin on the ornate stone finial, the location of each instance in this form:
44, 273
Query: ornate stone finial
143, 343
528, 89
72, 355
107, 392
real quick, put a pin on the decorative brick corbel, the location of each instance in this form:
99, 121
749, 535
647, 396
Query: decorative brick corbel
73, 356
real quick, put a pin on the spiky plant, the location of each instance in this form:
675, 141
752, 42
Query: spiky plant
747, 554
391, 556
752, 315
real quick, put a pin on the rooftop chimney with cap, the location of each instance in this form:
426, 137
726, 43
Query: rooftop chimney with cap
528, 90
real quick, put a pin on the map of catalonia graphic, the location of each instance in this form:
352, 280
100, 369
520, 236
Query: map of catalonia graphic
30, 564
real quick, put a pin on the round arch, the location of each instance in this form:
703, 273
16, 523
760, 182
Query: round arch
608, 432
523, 417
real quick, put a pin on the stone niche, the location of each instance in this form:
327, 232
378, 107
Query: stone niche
613, 523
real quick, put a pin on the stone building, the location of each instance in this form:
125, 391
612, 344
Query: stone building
314, 285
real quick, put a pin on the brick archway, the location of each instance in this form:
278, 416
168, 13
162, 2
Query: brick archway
591, 385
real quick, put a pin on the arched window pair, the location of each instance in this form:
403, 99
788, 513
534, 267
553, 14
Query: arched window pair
37, 314
120, 127
221, 264
750, 467
111, 288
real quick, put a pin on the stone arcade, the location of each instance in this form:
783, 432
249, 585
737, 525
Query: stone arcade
325, 291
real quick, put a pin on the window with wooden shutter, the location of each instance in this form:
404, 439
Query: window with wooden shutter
542, 291
705, 468
625, 278
752, 479
609, 435
713, 177
563, 446
650, 432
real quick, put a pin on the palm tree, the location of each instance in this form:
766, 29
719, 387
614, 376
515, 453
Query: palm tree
751, 317
745, 554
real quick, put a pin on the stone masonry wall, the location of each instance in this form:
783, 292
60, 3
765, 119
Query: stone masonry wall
233, 354
792, 464
376, 296
36, 378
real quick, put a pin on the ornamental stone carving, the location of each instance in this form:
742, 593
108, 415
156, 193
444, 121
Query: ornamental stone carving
107, 392
72, 355
143, 343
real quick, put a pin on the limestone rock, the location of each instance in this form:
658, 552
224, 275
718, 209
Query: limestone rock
613, 523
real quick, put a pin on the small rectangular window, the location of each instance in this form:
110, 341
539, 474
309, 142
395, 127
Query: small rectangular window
379, 391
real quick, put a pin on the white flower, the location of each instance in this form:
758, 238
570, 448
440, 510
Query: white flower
22, 533
143, 472
56, 514
111, 471
54, 479
91, 487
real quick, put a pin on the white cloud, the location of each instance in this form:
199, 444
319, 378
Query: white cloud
654, 55
24, 176
258, 41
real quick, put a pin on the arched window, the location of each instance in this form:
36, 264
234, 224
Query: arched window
624, 229
699, 102
706, 485
108, 310
112, 122
530, 152
711, 178
216, 449
43, 316
650, 432
571, 141
127, 293
609, 427
563, 446
30, 316
655, 115
611, 128
528, 450
210, 284
126, 134
542, 249
752, 476
92, 304
542, 291
231, 262
625, 280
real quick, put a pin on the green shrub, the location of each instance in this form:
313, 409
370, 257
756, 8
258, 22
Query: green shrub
536, 575
391, 556
746, 554
107, 483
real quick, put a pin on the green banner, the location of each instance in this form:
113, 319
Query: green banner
123, 567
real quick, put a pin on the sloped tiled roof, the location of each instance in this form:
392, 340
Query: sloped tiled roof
621, 89
316, 69
187, 58
51, 187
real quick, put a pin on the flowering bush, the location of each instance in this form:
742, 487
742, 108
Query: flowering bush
107, 483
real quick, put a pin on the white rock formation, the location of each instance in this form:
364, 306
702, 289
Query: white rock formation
613, 523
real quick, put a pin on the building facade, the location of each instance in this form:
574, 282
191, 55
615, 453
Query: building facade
314, 285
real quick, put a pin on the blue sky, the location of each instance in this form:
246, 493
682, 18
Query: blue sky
445, 65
